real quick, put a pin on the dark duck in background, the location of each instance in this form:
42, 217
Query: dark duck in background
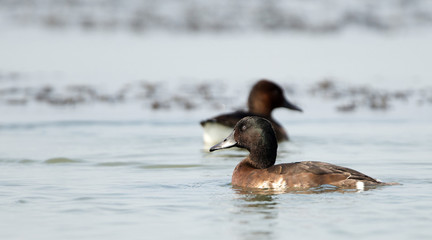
263, 98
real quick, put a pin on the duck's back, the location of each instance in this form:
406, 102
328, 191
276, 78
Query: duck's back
228, 120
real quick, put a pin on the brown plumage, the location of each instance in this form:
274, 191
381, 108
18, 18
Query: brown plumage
258, 170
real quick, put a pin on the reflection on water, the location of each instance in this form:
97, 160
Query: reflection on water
256, 201
257, 193
259, 214
256, 214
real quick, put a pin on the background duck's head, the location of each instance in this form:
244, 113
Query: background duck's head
266, 96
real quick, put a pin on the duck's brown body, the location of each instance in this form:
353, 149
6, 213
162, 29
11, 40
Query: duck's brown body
298, 175
257, 170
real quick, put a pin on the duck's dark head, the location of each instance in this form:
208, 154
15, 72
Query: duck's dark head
266, 96
255, 134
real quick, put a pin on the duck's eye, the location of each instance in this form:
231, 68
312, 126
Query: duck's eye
243, 128
277, 92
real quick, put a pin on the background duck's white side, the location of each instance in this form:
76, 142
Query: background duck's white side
214, 132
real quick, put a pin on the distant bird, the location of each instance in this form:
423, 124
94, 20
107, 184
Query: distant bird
263, 98
258, 170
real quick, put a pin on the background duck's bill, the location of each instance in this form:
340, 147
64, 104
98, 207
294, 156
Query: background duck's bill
289, 105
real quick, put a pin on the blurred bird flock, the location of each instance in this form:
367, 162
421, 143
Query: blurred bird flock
195, 16
218, 16
190, 96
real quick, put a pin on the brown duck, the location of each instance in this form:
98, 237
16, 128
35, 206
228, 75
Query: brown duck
258, 170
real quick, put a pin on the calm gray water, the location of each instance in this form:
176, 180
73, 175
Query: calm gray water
151, 178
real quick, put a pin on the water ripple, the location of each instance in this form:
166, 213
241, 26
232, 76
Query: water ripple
170, 166
19, 161
117, 164
60, 160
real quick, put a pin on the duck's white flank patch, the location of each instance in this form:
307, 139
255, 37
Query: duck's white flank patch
279, 184
264, 185
360, 186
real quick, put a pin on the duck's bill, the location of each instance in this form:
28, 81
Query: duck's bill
228, 142
291, 106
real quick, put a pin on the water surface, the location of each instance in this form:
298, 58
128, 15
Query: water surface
144, 178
